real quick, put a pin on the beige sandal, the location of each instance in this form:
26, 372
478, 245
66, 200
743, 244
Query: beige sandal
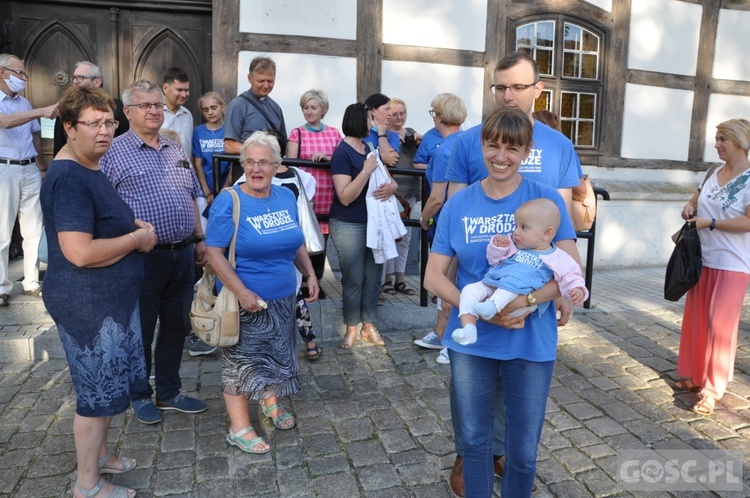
372, 335
705, 406
349, 338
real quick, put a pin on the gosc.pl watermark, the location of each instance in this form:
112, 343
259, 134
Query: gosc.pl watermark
679, 470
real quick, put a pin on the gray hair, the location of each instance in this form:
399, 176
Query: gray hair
144, 86
95, 71
6, 59
262, 139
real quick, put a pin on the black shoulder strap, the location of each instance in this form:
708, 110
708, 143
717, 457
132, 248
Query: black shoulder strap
260, 110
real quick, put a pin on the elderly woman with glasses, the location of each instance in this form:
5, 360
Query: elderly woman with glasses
263, 364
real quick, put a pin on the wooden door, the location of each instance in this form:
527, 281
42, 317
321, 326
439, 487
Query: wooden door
128, 44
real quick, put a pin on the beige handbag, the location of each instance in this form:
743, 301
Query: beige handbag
583, 205
216, 319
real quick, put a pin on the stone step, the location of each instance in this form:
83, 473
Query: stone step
23, 310
40, 341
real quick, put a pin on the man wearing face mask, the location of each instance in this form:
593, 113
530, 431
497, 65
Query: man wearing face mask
21, 161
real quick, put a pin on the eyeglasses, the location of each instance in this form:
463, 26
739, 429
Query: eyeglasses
111, 124
147, 106
514, 89
432, 113
77, 78
16, 71
263, 164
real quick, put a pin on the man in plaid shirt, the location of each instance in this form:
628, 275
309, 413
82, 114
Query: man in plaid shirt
153, 176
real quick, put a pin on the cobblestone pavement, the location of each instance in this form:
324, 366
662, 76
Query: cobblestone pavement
375, 421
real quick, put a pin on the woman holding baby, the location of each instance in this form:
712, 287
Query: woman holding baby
519, 352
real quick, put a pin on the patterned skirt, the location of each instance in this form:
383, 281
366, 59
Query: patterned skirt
263, 363
104, 369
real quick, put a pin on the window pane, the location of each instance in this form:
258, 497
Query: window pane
545, 34
585, 133
568, 105
544, 61
587, 107
525, 35
566, 127
570, 65
544, 101
588, 66
590, 41
572, 37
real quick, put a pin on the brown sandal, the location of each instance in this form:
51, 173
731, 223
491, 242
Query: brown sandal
349, 338
372, 335
685, 385
705, 406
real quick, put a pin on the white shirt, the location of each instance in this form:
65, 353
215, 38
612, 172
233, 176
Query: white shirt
17, 143
181, 122
725, 250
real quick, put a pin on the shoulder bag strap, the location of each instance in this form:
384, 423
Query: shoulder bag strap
260, 110
236, 220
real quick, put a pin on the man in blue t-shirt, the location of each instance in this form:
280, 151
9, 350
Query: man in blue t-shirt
552, 161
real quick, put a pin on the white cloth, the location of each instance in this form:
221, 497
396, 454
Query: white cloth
384, 223
181, 122
723, 250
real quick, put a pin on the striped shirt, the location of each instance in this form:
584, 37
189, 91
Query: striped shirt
153, 183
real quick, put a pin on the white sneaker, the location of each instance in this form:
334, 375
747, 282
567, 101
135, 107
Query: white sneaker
430, 341
443, 357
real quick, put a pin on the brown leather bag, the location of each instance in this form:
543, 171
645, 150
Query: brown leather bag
404, 209
584, 205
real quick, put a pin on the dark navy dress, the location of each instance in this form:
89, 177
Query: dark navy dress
95, 309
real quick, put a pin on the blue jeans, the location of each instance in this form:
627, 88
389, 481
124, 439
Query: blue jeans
360, 275
473, 383
166, 293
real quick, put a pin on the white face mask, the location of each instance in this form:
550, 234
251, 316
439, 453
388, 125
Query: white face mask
15, 84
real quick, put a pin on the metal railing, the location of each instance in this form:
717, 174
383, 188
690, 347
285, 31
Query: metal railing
236, 172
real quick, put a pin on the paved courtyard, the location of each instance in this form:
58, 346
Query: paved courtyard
375, 422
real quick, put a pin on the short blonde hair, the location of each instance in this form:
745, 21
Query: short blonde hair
212, 95
318, 95
397, 101
738, 131
262, 139
450, 108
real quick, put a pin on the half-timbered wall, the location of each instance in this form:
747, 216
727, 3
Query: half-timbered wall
670, 70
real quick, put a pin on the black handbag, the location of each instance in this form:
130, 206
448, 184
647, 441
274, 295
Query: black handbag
685, 264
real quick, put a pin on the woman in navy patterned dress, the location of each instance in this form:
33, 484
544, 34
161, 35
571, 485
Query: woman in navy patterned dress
93, 282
